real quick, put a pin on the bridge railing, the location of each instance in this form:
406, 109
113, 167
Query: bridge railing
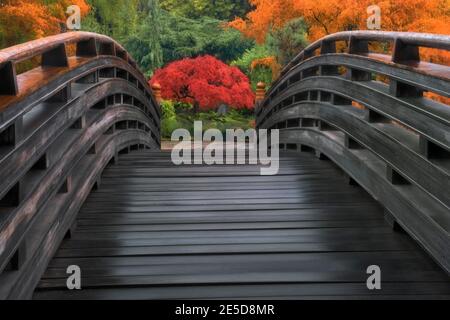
405, 45
368, 112
61, 123
53, 53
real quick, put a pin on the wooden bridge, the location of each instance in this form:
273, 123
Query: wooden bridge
364, 179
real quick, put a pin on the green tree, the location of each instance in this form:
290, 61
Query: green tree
145, 44
116, 18
258, 74
134, 23
219, 9
288, 41
184, 37
155, 37
256, 52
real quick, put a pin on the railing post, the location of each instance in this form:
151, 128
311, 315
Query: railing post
394, 177
11, 135
401, 90
66, 186
87, 48
56, 57
8, 79
13, 196
405, 53
19, 257
358, 46
122, 54
260, 92
70, 232
156, 89
80, 123
107, 49
327, 47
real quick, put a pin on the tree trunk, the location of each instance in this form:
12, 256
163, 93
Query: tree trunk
196, 107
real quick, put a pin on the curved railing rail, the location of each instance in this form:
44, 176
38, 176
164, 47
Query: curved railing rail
53, 51
406, 44
368, 112
61, 124
84, 40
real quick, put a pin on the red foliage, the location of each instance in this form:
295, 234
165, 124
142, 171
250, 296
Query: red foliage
206, 81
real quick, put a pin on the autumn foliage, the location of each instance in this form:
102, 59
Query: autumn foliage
267, 62
206, 82
329, 16
267, 14
24, 20
325, 17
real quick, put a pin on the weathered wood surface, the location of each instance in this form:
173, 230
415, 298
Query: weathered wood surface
157, 231
225, 230
403, 43
368, 113
60, 124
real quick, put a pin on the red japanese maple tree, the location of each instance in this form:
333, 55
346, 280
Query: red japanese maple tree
206, 82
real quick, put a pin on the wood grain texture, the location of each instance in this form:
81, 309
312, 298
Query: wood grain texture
369, 114
67, 121
157, 231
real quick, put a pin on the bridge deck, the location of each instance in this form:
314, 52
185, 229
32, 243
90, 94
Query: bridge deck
156, 231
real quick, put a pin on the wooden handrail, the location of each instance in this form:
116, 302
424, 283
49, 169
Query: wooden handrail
112, 111
28, 50
387, 136
412, 39
54, 54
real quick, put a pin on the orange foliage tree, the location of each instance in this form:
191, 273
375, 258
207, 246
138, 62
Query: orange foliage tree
329, 16
324, 17
267, 62
24, 20
267, 14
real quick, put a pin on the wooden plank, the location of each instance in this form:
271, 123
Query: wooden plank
399, 290
314, 239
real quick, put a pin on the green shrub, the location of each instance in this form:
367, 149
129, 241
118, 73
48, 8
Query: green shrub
188, 38
259, 73
181, 115
245, 61
169, 121
288, 41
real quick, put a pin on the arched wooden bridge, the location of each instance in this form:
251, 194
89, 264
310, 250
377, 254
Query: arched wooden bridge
364, 179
